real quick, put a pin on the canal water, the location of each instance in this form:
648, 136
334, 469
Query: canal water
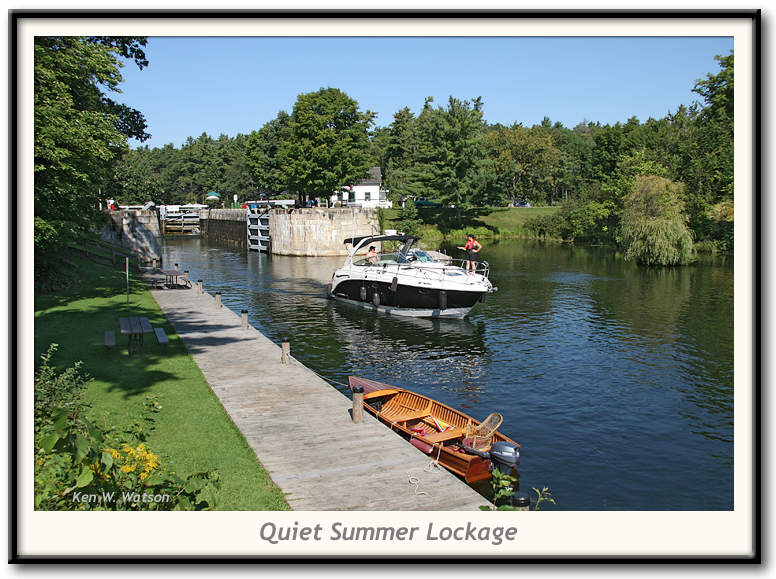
616, 380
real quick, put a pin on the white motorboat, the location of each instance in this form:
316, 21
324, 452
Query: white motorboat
409, 281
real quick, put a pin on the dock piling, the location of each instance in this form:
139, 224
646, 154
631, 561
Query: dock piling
199, 285
244, 319
218, 299
358, 404
285, 351
521, 502
186, 274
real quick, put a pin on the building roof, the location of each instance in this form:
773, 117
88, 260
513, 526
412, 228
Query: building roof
375, 177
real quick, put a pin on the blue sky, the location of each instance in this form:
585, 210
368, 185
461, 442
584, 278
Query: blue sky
230, 85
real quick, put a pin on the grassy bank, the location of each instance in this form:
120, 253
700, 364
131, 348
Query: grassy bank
441, 223
193, 432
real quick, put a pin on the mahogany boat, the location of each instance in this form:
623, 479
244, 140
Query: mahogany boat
461, 444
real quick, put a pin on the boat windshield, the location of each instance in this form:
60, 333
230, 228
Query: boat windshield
383, 258
421, 256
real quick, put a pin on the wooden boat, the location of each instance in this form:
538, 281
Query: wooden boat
460, 443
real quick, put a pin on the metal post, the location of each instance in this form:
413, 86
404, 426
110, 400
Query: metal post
244, 319
218, 299
521, 502
285, 351
358, 404
126, 267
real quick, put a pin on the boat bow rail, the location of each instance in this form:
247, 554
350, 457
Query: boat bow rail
453, 270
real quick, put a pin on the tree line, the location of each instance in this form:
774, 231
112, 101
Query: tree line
614, 182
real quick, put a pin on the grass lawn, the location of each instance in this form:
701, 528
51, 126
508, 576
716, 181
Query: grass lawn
193, 432
441, 223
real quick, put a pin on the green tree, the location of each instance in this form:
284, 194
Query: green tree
448, 150
399, 153
261, 154
710, 164
526, 161
79, 131
609, 148
326, 144
654, 227
409, 221
237, 175
136, 178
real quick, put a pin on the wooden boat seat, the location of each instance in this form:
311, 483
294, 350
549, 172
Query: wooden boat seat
395, 411
412, 415
379, 393
443, 436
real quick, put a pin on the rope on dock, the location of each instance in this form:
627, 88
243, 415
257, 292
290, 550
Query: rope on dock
324, 378
415, 480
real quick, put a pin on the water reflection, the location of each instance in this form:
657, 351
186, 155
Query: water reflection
617, 380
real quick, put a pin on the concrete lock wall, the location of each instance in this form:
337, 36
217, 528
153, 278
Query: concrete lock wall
138, 231
225, 226
319, 231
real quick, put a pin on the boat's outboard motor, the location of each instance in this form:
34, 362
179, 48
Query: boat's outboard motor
504, 456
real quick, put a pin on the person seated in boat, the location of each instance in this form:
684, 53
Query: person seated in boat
371, 255
471, 248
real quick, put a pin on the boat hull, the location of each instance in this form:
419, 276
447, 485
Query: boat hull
453, 313
408, 300
471, 468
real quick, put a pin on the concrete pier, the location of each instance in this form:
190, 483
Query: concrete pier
300, 427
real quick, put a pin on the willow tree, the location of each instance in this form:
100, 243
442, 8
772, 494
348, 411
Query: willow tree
654, 227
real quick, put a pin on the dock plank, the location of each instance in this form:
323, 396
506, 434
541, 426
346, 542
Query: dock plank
299, 426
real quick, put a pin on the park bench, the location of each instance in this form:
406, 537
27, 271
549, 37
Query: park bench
161, 337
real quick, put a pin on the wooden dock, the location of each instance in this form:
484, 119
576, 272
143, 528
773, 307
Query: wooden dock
300, 426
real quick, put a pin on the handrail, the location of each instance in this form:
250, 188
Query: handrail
431, 272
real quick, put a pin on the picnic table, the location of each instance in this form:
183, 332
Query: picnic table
171, 277
135, 328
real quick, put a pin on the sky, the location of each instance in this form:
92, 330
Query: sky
231, 85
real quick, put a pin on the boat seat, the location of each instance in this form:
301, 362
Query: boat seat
443, 436
480, 436
398, 412
411, 416
379, 393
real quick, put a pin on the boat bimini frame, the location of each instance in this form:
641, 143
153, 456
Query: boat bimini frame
422, 264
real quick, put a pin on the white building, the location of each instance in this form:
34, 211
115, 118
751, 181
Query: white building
366, 193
